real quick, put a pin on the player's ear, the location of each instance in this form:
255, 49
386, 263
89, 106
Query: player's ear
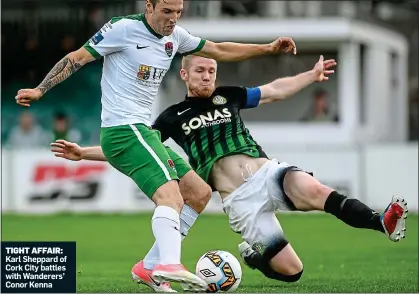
183, 75
148, 6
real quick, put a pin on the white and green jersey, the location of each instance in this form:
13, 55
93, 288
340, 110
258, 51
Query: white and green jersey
136, 60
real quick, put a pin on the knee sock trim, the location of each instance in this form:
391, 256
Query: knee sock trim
274, 249
288, 278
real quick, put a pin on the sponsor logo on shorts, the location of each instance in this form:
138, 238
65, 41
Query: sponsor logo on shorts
258, 247
219, 100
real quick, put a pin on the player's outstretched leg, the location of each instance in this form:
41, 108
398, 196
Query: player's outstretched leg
307, 193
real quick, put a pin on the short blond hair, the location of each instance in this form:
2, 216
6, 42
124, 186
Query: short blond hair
186, 61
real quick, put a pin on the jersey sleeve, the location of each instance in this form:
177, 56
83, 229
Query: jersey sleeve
188, 44
245, 97
161, 125
111, 38
253, 96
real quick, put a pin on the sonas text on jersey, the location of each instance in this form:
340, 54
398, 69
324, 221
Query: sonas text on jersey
207, 120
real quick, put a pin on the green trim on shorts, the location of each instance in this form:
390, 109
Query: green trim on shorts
137, 151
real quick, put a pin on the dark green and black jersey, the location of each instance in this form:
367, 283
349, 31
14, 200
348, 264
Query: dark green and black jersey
211, 128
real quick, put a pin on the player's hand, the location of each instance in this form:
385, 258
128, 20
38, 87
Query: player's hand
26, 96
67, 150
283, 44
323, 68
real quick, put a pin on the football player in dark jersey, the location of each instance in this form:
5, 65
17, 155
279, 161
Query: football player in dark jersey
208, 126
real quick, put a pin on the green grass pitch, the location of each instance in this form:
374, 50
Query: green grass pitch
336, 258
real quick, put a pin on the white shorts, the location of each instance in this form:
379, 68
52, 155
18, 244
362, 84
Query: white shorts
251, 208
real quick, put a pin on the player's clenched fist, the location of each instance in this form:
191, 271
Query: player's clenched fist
26, 96
283, 44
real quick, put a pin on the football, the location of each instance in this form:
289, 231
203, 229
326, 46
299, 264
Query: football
220, 270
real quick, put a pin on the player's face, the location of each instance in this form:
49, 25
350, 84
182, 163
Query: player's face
165, 15
201, 75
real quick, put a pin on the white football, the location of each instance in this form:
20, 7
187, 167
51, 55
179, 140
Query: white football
220, 270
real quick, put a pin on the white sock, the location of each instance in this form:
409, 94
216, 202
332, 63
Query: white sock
165, 225
188, 217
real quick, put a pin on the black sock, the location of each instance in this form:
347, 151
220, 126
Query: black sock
353, 212
256, 260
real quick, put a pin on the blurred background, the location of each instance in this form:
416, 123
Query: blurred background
358, 132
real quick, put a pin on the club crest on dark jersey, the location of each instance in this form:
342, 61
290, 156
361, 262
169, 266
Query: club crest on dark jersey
219, 100
168, 47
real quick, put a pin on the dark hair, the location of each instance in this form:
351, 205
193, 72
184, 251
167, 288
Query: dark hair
319, 93
60, 115
154, 2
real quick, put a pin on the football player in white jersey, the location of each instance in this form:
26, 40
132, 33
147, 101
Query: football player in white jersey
138, 50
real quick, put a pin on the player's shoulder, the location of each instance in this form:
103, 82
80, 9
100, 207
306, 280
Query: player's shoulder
173, 109
131, 20
180, 30
230, 93
229, 89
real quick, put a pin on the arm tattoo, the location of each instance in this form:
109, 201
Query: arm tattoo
61, 71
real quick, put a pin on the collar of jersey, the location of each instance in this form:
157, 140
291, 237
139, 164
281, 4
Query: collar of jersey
192, 98
144, 20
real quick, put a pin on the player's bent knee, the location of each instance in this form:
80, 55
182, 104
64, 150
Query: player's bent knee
284, 272
286, 261
203, 198
291, 267
286, 265
169, 195
199, 201
278, 261
195, 192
